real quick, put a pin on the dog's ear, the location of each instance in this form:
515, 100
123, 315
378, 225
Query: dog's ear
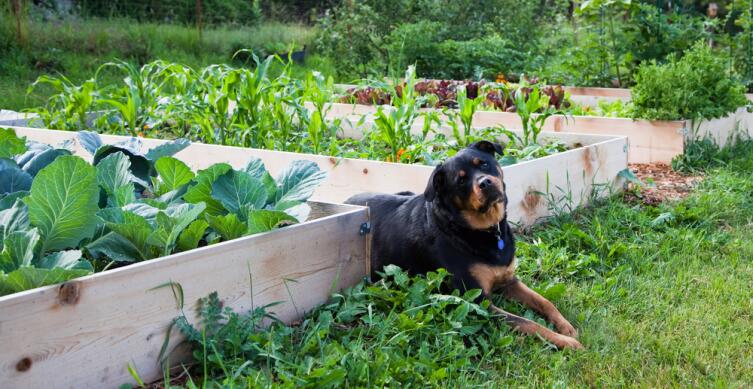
488, 147
435, 184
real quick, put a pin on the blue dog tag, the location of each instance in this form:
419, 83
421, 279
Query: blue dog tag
501, 244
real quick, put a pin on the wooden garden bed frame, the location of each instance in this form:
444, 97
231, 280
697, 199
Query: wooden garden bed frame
649, 140
563, 180
85, 332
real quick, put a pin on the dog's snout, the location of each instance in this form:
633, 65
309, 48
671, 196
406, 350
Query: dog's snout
484, 182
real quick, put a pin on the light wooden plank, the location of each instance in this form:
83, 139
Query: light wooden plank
592, 96
567, 180
650, 141
598, 92
725, 129
11, 118
84, 338
573, 90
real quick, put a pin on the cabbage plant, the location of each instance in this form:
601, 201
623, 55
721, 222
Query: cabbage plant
62, 217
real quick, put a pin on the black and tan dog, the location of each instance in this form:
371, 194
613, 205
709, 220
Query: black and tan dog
460, 223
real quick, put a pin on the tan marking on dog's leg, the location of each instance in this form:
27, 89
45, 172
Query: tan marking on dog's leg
529, 327
518, 291
490, 277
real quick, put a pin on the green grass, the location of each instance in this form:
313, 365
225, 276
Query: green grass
660, 295
77, 47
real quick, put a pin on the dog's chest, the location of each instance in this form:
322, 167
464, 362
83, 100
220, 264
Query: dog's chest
490, 277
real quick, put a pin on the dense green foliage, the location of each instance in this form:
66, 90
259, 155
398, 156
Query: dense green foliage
59, 214
596, 43
444, 38
77, 47
399, 330
695, 86
211, 12
648, 279
227, 105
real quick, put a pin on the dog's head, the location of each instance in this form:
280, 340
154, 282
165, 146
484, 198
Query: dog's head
470, 185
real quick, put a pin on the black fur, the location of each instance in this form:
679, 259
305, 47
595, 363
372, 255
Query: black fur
423, 232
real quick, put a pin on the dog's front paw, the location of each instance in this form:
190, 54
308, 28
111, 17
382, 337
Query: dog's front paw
563, 342
565, 328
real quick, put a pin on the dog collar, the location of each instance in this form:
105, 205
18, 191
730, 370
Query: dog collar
498, 235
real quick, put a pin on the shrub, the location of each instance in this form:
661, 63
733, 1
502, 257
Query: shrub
485, 56
373, 37
696, 86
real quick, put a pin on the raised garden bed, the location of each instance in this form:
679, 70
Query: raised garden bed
649, 140
536, 188
85, 332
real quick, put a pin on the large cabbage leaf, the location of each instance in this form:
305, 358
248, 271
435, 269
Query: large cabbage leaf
62, 203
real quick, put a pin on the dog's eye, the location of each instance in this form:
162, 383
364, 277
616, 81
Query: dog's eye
484, 165
461, 180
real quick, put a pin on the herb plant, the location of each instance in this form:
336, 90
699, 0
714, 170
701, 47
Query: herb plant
696, 86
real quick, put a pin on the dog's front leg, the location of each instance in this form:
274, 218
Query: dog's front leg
532, 328
516, 322
518, 291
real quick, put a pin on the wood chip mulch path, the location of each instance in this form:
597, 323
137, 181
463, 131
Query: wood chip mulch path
660, 183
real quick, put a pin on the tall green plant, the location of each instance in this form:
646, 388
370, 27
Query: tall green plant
319, 92
467, 107
393, 126
69, 106
533, 110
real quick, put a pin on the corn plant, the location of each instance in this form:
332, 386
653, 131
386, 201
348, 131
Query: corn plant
68, 108
467, 107
394, 127
533, 109
136, 100
318, 91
